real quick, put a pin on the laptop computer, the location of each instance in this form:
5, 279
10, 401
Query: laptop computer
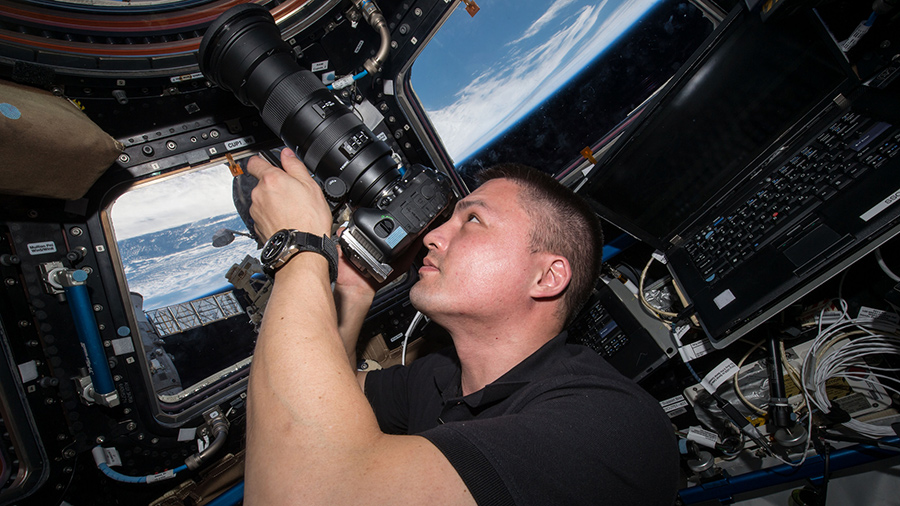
761, 170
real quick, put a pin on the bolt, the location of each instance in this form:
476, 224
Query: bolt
131, 426
61, 437
23, 324
170, 145
87, 269
101, 326
98, 308
418, 12
100, 440
141, 437
68, 470
126, 410
147, 150
117, 378
154, 440
107, 343
10, 282
49, 401
71, 453
214, 134
32, 213
76, 231
394, 44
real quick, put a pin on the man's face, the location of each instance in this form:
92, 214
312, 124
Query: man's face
479, 262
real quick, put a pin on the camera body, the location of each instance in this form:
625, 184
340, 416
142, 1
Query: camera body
376, 235
243, 52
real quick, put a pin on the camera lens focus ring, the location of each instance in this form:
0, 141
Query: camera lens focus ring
288, 95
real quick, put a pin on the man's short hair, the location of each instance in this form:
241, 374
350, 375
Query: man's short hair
562, 223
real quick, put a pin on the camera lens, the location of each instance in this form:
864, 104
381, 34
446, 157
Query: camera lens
242, 52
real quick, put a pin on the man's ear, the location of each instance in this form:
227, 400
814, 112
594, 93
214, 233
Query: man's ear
554, 277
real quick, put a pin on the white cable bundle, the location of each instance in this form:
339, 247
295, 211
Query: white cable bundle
824, 361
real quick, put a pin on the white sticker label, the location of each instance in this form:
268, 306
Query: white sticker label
722, 373
42, 248
319, 66
674, 403
702, 437
388, 87
881, 206
239, 143
679, 332
165, 475
724, 298
28, 371
122, 346
696, 350
112, 457
186, 77
358, 47
187, 434
871, 314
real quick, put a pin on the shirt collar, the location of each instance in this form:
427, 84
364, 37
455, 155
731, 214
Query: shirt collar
447, 378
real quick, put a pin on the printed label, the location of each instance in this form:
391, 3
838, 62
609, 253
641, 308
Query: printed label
724, 298
871, 314
239, 143
702, 437
319, 66
722, 373
112, 457
881, 206
674, 404
165, 475
122, 346
696, 350
186, 77
187, 434
28, 371
42, 248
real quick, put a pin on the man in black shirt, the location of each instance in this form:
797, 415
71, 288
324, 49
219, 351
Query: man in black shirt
512, 415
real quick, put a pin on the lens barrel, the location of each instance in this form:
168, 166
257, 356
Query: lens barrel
243, 52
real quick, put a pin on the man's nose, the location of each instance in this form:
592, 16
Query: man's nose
436, 237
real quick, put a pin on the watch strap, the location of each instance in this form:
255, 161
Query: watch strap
299, 242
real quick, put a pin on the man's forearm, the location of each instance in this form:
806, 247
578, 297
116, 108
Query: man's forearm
305, 408
352, 308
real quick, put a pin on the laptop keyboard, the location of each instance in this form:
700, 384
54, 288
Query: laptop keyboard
818, 172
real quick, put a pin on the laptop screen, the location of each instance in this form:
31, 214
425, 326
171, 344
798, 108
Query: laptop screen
722, 114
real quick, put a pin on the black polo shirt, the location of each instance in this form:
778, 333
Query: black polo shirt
561, 427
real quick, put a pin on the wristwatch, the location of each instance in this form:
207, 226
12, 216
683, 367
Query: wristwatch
286, 243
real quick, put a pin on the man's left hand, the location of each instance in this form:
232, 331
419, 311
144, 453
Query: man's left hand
288, 198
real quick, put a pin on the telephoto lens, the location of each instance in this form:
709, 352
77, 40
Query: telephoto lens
243, 52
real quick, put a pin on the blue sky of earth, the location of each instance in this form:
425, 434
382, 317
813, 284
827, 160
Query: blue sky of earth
479, 75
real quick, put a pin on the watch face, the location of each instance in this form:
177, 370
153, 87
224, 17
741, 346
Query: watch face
274, 246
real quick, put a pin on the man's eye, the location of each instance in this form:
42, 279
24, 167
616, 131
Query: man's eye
474, 218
